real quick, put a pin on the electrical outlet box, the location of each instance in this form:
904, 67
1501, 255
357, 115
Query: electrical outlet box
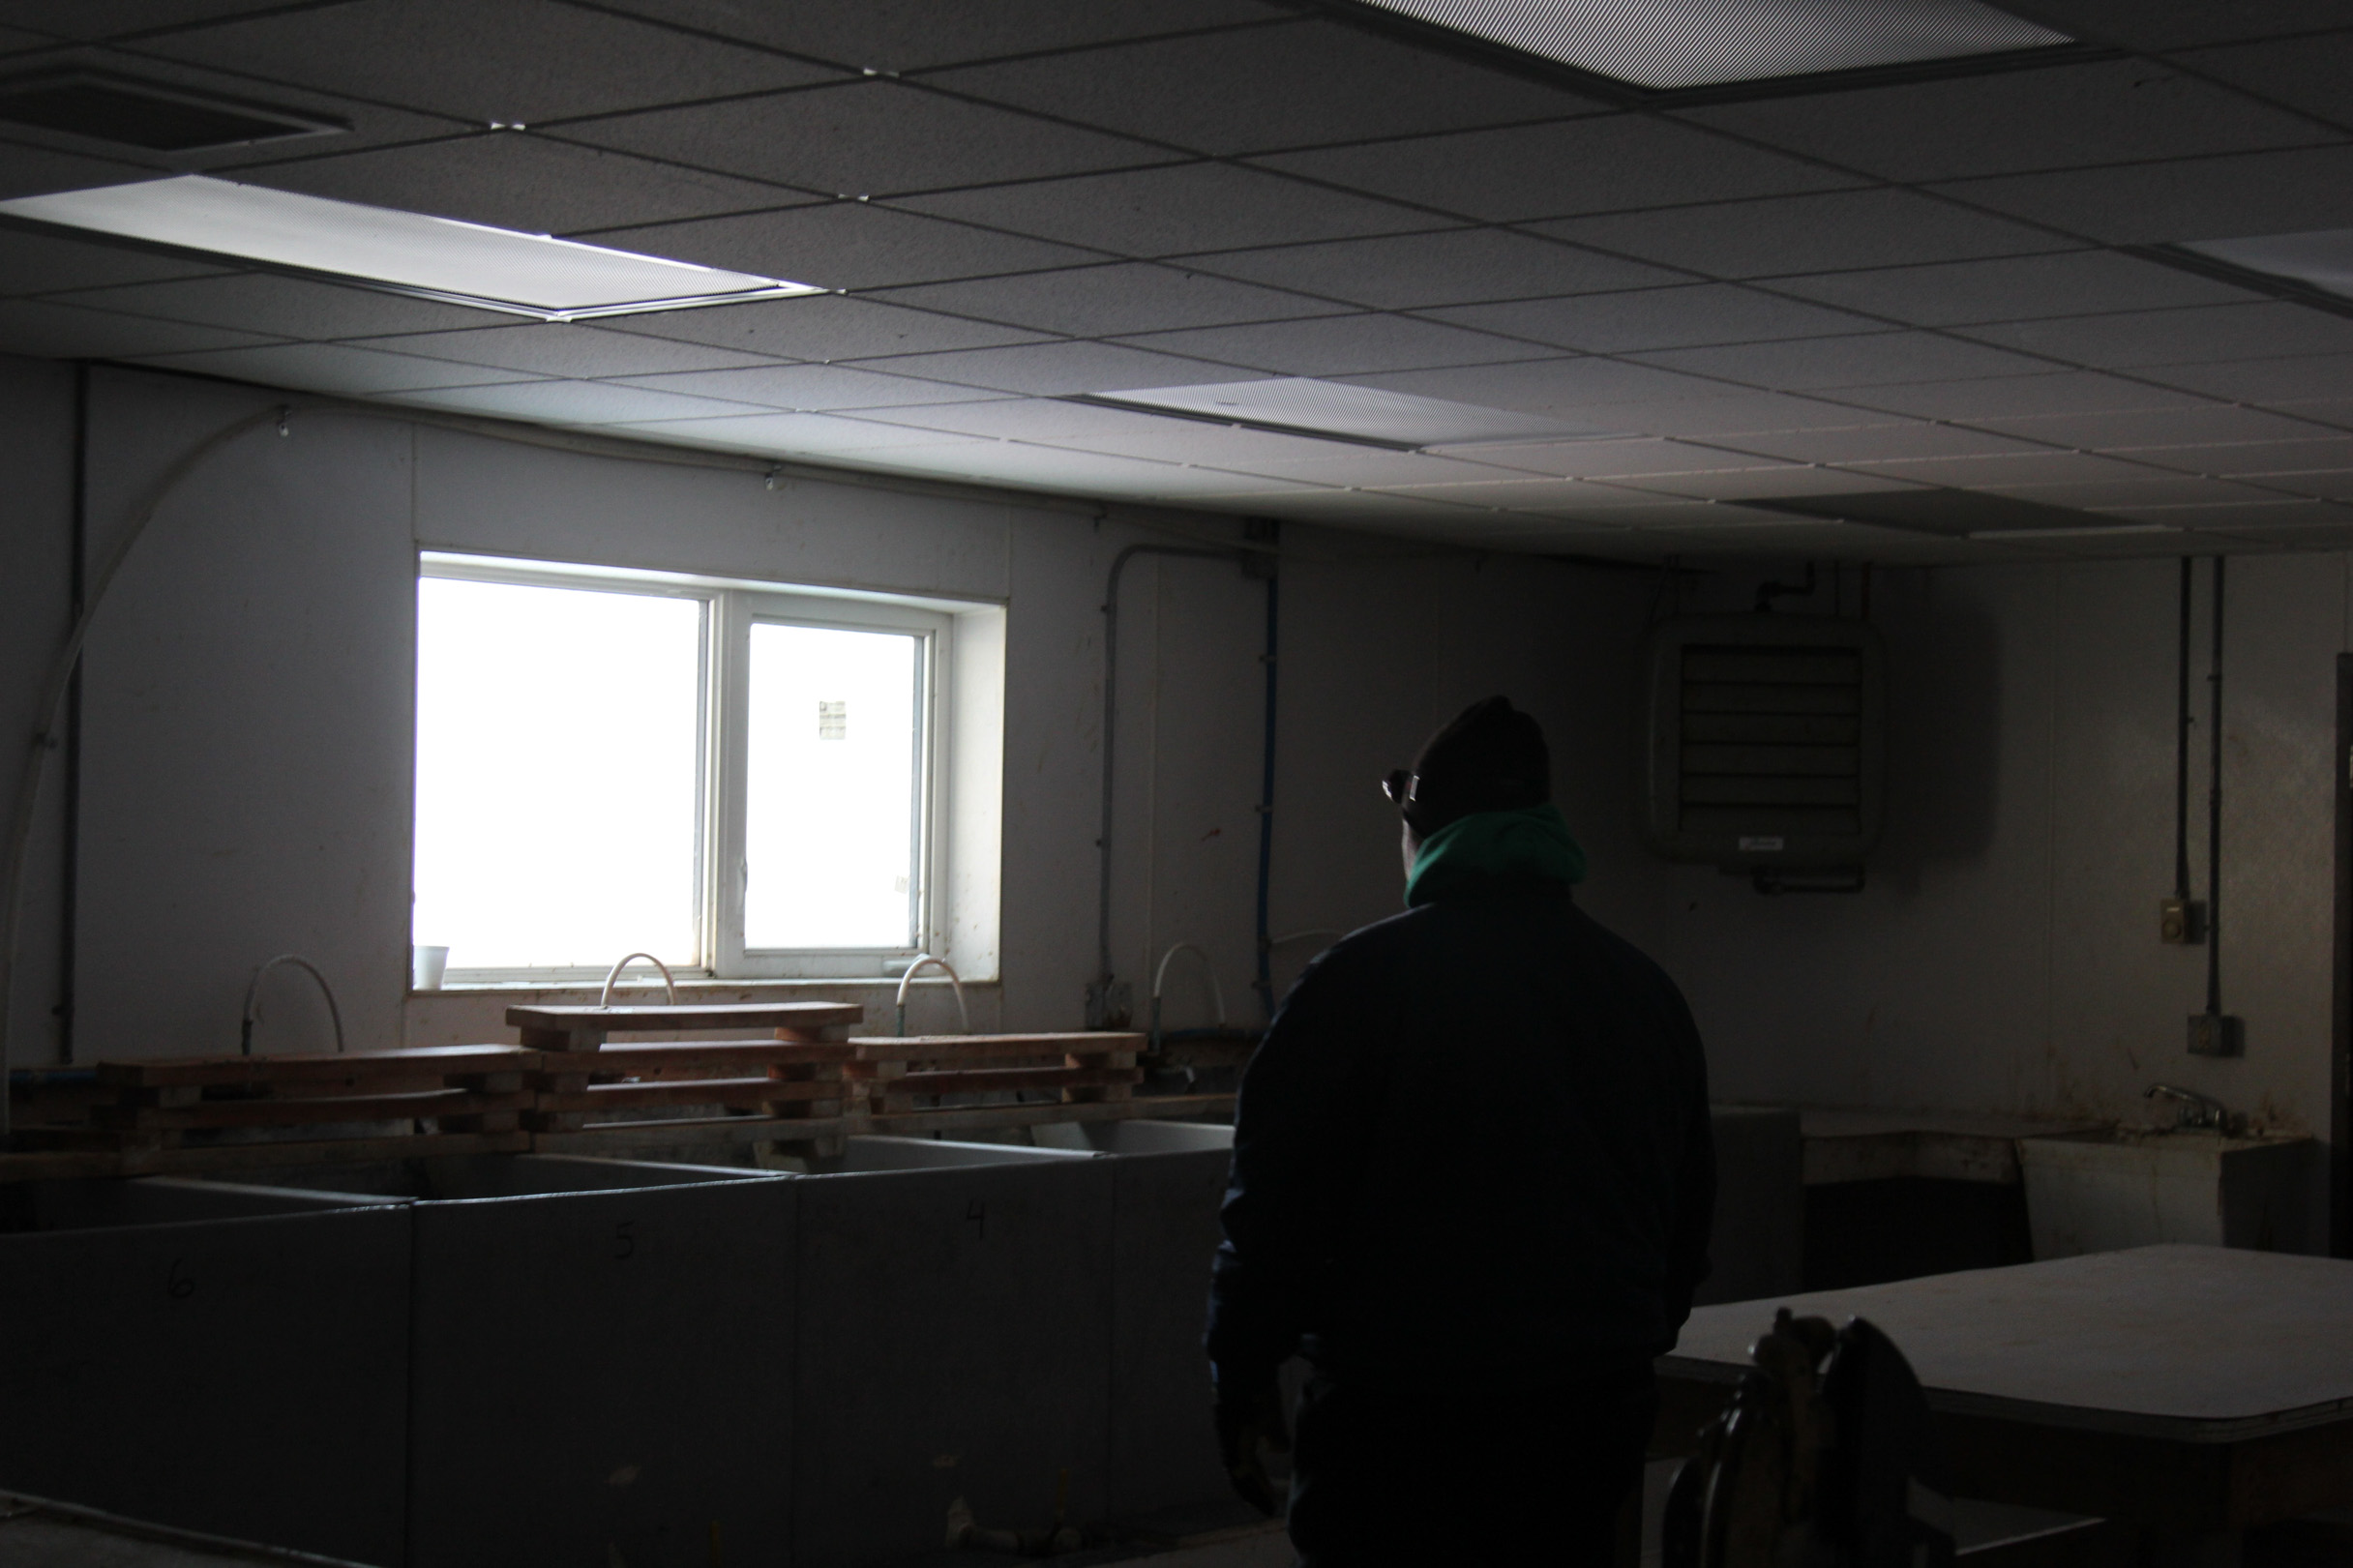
2216, 1034
1109, 1005
2181, 921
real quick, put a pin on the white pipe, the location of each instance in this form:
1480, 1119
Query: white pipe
670, 987
925, 960
252, 995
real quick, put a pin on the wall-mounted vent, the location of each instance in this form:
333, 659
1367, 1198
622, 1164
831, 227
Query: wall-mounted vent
1766, 749
148, 115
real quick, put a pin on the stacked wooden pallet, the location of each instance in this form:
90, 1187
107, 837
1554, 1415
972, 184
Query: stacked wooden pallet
448, 1099
584, 1084
895, 1072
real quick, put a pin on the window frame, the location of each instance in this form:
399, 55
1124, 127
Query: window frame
731, 608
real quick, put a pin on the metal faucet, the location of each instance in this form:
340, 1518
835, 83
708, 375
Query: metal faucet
2197, 1109
253, 996
922, 962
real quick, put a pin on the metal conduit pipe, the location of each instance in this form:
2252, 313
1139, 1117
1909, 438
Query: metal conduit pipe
1255, 560
252, 995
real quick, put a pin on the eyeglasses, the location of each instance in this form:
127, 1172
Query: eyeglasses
1403, 786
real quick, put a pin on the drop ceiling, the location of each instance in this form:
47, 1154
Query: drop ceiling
1815, 321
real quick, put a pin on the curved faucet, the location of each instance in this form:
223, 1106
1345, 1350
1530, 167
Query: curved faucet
2197, 1109
924, 960
252, 995
1218, 993
670, 987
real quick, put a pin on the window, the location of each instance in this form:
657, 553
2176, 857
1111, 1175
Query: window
744, 780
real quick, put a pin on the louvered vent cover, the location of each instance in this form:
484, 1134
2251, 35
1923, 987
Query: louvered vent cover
1765, 748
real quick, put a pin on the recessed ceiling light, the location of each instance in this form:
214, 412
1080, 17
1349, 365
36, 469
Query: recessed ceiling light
1953, 514
153, 115
1666, 44
399, 253
1330, 411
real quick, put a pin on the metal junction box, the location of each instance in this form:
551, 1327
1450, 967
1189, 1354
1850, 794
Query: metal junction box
1765, 744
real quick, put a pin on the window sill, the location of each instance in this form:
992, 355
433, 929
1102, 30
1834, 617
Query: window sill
695, 989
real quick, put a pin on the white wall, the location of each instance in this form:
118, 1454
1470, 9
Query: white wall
2004, 958
250, 715
247, 759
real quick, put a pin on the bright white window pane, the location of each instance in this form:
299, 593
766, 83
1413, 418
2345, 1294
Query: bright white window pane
829, 839
557, 774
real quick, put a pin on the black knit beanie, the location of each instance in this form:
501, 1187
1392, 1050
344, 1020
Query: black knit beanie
1489, 757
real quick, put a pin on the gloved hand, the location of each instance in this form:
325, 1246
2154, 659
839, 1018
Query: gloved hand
1250, 1425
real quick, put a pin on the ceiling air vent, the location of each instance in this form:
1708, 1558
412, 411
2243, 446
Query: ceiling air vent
148, 115
1766, 751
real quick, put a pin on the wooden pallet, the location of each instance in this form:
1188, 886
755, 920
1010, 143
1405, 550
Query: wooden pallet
897, 1070
586, 1028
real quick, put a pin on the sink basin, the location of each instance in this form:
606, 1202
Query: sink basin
2118, 1187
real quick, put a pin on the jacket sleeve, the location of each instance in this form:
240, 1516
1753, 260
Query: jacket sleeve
1287, 1193
1687, 1264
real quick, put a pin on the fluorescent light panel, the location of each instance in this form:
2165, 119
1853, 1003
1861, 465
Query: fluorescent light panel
1665, 44
404, 252
1328, 410
2323, 258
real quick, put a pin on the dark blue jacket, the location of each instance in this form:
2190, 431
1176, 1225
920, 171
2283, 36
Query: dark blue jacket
1474, 1145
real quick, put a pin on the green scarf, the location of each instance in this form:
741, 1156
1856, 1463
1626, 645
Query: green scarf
1525, 846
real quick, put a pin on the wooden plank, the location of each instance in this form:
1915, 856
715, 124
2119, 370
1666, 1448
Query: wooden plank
666, 1056
1010, 1079
921, 1047
613, 1099
313, 1067
684, 1016
975, 1118
220, 1113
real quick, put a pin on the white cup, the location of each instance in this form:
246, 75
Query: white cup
425, 966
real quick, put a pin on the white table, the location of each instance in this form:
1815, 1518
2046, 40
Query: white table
2191, 1390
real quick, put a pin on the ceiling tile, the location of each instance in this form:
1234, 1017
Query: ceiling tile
88, 19
2141, 494
2201, 333
1056, 370
864, 138
2114, 111
2290, 379
1912, 441
1112, 430
1301, 83
2060, 392
785, 436
1101, 300
1554, 497
516, 62
2319, 484
1805, 234
1722, 411
336, 367
2311, 72
2154, 428
2172, 24
1055, 468
28, 170
1759, 483
908, 35
1327, 464
50, 330
1174, 211
1587, 165
1338, 346
851, 244
809, 388
819, 327
2253, 458
18, 40
1875, 359
528, 182
1458, 266
574, 403
577, 350
2194, 198
1654, 318
33, 263
281, 307
2014, 288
